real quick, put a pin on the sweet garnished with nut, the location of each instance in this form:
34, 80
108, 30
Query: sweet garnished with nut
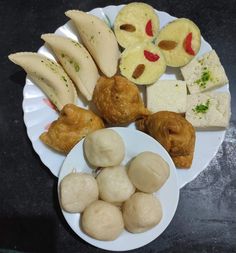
128, 28
167, 44
138, 71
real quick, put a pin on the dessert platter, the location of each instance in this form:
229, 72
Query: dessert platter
35, 103
125, 105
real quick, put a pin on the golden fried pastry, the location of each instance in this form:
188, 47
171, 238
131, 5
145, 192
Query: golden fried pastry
118, 100
174, 133
73, 124
184, 161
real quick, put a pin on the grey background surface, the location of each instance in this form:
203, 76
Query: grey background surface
30, 218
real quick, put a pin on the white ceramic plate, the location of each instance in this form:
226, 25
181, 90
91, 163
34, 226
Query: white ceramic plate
38, 115
135, 143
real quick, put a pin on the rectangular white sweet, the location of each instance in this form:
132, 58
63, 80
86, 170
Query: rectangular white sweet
167, 95
204, 73
208, 110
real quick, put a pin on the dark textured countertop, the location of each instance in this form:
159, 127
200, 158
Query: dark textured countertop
30, 217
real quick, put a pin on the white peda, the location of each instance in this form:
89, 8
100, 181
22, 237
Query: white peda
148, 172
104, 148
141, 212
102, 221
114, 185
77, 191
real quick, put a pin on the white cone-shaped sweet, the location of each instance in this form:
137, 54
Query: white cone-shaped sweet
76, 61
99, 39
49, 76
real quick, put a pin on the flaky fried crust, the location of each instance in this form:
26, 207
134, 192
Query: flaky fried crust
118, 100
174, 133
183, 162
73, 124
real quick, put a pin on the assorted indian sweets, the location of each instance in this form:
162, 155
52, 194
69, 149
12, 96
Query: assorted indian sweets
91, 68
107, 79
119, 196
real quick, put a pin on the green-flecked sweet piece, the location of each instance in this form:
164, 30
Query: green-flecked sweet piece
204, 73
49, 76
99, 39
76, 61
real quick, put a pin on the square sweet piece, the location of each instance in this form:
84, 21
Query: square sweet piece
204, 73
208, 110
167, 95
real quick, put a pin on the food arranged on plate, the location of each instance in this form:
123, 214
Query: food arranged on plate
119, 196
122, 196
116, 97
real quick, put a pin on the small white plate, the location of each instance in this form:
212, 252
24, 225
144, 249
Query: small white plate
135, 143
38, 115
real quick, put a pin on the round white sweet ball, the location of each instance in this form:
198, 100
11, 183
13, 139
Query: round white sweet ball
114, 184
102, 221
77, 190
148, 171
104, 148
141, 212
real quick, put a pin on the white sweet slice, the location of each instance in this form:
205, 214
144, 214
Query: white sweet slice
76, 61
98, 39
208, 110
49, 76
204, 73
167, 95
